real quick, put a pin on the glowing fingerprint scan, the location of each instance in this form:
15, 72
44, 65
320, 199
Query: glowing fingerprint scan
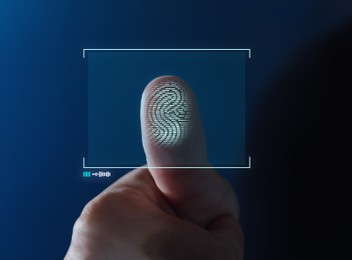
169, 114
117, 79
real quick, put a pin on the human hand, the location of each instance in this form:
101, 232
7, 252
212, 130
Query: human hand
163, 213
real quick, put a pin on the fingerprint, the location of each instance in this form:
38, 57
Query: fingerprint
169, 113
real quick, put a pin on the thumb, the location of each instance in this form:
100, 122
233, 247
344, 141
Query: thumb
173, 136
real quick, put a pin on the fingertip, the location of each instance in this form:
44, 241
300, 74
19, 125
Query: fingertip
172, 130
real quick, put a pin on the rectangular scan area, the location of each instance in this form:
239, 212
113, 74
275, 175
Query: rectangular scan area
117, 78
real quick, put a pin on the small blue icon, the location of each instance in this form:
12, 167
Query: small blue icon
86, 174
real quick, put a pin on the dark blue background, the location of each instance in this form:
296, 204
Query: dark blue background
43, 96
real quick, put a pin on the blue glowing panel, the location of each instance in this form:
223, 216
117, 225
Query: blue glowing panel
116, 82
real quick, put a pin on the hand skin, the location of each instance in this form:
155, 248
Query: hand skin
163, 213
132, 219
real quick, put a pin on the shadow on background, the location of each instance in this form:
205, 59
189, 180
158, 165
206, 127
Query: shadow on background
300, 140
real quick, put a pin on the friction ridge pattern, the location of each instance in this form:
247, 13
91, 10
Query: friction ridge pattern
169, 113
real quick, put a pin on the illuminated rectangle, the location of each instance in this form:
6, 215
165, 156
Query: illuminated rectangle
117, 77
